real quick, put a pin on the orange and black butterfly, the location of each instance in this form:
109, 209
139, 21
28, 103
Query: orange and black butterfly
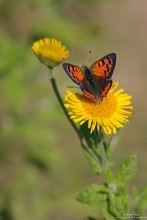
94, 82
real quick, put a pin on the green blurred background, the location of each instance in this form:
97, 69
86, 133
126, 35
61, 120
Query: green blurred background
42, 167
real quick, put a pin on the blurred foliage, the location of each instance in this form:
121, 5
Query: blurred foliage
30, 161
34, 171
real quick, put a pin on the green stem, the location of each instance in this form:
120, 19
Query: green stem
102, 153
103, 140
54, 85
102, 146
93, 147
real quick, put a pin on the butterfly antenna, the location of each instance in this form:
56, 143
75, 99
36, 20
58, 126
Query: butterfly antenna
88, 57
72, 62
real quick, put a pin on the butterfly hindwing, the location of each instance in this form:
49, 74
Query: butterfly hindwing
74, 72
104, 67
99, 92
101, 87
105, 85
87, 90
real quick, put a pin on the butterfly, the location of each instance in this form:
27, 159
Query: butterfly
94, 82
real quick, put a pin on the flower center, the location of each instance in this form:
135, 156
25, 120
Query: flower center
102, 109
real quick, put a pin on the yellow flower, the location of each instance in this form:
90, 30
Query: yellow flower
50, 51
111, 113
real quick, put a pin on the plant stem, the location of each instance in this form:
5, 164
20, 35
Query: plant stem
54, 85
102, 153
102, 146
103, 140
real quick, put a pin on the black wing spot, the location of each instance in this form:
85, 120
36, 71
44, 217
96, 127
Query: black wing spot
107, 66
103, 62
109, 60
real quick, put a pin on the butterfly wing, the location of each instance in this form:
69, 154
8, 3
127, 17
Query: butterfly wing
104, 67
105, 86
74, 72
100, 87
97, 90
88, 91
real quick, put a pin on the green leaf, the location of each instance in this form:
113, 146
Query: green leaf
141, 200
118, 204
94, 162
109, 176
107, 214
93, 194
127, 170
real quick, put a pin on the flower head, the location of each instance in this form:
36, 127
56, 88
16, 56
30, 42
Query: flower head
50, 51
111, 113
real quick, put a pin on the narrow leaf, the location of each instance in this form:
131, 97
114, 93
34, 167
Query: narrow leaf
118, 204
141, 200
94, 162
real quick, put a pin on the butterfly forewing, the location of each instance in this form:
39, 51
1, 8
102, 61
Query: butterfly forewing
104, 67
74, 72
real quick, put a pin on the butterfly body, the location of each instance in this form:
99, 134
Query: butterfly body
94, 82
89, 86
